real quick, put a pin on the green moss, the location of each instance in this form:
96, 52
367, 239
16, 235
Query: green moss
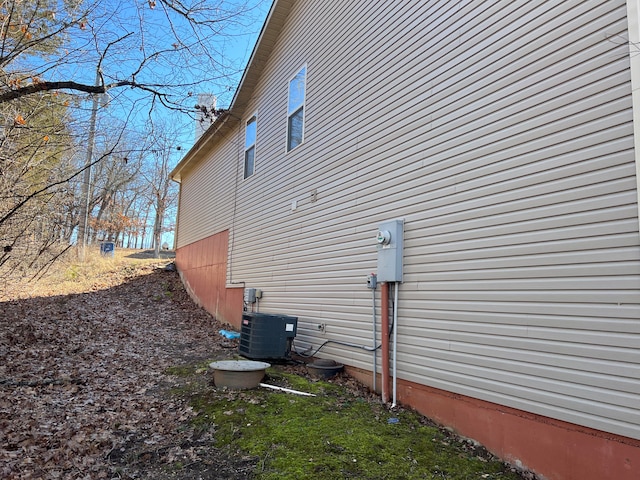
188, 370
167, 291
297, 382
334, 435
181, 370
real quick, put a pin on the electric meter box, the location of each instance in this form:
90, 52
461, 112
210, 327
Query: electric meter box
249, 295
390, 240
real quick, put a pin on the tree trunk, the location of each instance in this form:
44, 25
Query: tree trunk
157, 228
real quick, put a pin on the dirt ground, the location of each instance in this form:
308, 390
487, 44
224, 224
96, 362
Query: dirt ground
83, 383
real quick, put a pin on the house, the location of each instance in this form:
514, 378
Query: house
503, 137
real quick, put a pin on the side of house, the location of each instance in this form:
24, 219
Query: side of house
502, 134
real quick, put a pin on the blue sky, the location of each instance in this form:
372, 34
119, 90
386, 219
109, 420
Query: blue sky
230, 50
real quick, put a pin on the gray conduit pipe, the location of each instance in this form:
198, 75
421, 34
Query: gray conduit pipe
395, 341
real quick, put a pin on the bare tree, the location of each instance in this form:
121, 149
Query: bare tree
162, 191
36, 156
55, 56
114, 178
163, 49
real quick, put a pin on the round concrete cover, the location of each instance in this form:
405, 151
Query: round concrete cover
239, 365
238, 374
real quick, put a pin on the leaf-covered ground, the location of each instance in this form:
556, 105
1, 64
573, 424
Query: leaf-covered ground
100, 372
83, 381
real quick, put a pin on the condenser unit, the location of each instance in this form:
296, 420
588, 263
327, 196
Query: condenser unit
267, 336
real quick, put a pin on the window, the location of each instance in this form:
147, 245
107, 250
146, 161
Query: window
295, 110
249, 146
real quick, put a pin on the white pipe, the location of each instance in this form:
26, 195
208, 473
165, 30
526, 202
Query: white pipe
288, 390
395, 341
375, 352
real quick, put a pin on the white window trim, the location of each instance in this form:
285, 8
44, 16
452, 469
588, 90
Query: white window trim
245, 148
303, 106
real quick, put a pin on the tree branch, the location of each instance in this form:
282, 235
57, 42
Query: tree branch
14, 94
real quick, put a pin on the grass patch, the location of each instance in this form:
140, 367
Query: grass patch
335, 435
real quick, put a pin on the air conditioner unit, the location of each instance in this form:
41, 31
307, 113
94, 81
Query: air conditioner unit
267, 336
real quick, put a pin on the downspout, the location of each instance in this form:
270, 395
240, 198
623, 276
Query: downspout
633, 18
384, 326
177, 231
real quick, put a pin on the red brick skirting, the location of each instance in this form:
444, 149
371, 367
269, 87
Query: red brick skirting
203, 267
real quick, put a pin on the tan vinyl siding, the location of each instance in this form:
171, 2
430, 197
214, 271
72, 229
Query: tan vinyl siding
207, 194
501, 132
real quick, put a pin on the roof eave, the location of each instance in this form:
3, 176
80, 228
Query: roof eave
263, 47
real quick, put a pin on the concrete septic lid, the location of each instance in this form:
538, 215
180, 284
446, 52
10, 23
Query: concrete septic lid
238, 374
